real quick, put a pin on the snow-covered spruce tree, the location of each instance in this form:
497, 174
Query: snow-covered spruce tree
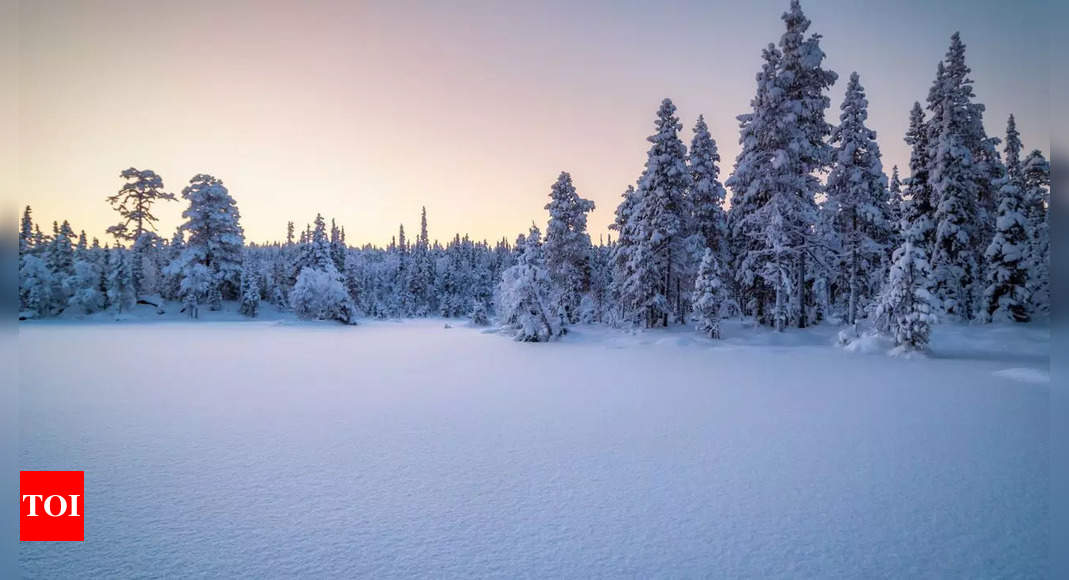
750, 193
144, 266
120, 282
625, 309
319, 293
709, 295
337, 246
905, 309
171, 274
1035, 178
896, 207
956, 179
215, 241
60, 259
708, 220
706, 194
250, 292
1006, 295
659, 219
26, 232
790, 133
919, 211
857, 197
421, 279
1013, 149
134, 203
567, 248
451, 286
483, 281
523, 296
596, 304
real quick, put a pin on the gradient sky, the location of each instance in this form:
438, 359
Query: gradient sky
366, 111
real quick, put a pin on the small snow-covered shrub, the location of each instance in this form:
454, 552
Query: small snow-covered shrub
709, 296
320, 295
904, 308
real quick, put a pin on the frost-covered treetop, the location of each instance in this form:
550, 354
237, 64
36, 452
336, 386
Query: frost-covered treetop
1013, 149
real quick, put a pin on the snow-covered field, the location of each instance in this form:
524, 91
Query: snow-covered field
264, 449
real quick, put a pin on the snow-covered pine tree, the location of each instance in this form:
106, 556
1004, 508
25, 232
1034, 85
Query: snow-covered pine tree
596, 304
709, 295
790, 133
250, 292
134, 200
1006, 296
421, 278
659, 218
625, 311
750, 193
919, 211
567, 247
319, 293
337, 246
905, 309
523, 296
60, 256
39, 239
896, 207
60, 260
171, 274
144, 270
857, 196
26, 232
1035, 178
215, 240
120, 282
955, 182
1013, 149
706, 194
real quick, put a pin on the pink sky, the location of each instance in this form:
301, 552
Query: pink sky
366, 111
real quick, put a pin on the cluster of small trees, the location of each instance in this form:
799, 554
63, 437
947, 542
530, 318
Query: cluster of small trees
964, 236
200, 265
206, 262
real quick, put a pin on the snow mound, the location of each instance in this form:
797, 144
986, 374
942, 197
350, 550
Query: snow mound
868, 343
1024, 375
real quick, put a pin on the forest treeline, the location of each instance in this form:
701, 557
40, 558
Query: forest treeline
814, 231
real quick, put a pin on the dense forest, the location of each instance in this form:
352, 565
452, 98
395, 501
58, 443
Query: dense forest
813, 230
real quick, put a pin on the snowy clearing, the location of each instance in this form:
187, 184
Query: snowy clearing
265, 449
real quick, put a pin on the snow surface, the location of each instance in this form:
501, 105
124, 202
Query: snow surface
278, 448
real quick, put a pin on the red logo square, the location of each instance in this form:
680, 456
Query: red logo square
51, 506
